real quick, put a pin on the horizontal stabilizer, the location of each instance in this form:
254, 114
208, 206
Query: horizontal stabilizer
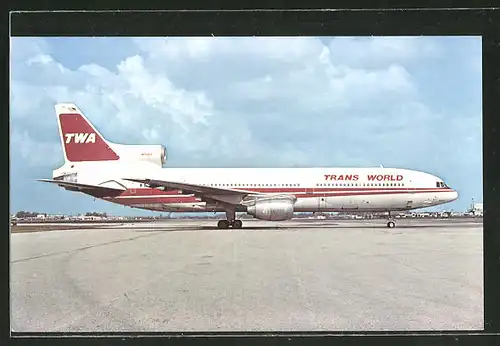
93, 190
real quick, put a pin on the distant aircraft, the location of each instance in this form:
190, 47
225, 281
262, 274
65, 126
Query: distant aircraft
134, 176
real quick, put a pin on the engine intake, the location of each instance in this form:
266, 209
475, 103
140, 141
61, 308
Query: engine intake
272, 209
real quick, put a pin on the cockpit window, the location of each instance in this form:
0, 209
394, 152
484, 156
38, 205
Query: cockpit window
441, 184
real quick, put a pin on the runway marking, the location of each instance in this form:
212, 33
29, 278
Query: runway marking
82, 248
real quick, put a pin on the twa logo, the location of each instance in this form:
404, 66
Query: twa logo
80, 137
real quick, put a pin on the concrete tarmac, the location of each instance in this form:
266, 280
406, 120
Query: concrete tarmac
187, 275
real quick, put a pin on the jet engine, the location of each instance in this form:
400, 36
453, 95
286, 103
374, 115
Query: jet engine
273, 209
156, 154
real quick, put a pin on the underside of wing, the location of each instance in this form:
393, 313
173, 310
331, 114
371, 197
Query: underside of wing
207, 193
108, 189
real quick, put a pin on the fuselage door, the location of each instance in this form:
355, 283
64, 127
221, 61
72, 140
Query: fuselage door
321, 203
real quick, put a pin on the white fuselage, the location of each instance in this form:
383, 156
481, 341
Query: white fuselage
316, 189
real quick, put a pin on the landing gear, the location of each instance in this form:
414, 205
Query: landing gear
231, 215
224, 224
391, 223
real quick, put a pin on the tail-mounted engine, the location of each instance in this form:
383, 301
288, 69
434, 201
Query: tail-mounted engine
156, 154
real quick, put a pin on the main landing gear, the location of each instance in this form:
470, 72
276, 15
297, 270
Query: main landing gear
226, 224
231, 221
391, 223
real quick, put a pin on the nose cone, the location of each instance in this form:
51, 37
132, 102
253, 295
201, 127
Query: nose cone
453, 195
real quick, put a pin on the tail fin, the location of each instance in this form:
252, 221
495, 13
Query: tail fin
80, 140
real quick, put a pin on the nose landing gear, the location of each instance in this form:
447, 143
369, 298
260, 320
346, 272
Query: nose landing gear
391, 223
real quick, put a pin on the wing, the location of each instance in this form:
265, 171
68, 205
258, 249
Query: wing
207, 193
93, 190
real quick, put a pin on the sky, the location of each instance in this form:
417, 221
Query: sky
405, 102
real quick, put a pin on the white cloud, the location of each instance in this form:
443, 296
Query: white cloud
40, 59
379, 51
253, 82
25, 48
34, 153
213, 94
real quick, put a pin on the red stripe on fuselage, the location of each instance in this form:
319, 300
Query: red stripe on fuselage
150, 191
153, 196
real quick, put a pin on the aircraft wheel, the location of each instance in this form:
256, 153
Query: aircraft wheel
223, 224
391, 224
237, 224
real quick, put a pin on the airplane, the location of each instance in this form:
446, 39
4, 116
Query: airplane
135, 176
